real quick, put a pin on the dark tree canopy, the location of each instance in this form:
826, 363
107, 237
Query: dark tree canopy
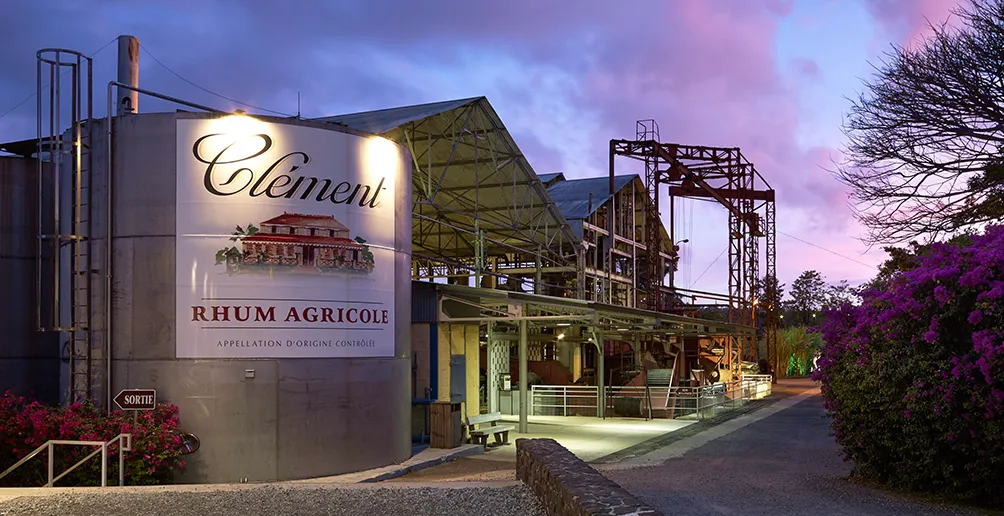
808, 296
924, 156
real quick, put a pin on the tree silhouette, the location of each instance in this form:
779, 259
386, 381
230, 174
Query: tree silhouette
924, 154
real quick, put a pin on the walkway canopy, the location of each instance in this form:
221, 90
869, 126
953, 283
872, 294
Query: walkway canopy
540, 310
517, 312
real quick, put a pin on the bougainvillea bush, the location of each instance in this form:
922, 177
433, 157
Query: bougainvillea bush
26, 424
913, 377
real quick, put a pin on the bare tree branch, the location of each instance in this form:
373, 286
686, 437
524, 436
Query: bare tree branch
924, 141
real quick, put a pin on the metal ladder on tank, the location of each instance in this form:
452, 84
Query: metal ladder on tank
66, 243
81, 271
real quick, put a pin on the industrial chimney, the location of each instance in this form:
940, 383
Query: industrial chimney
128, 100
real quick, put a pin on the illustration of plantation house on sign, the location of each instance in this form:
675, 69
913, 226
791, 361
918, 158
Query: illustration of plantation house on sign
309, 241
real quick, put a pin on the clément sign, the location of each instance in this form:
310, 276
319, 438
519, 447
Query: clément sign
285, 240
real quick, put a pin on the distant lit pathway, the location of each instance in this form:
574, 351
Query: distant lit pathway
784, 464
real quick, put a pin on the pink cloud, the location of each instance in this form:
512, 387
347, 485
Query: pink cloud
908, 21
716, 81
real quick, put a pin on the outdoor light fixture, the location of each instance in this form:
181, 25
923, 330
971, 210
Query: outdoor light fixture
561, 336
381, 157
564, 324
244, 132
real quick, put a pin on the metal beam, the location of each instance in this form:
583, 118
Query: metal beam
728, 193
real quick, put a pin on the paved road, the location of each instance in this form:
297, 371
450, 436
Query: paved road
783, 464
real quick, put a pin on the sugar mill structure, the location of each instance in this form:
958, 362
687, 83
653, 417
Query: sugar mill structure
163, 250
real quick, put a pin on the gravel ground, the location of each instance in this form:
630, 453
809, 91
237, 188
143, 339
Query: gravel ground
515, 500
785, 464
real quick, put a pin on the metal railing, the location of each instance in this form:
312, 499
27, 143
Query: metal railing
761, 383
563, 400
125, 444
653, 402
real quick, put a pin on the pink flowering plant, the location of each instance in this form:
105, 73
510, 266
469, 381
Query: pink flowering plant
913, 377
26, 424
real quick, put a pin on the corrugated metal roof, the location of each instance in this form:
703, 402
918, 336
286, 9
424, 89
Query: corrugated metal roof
572, 196
424, 308
547, 178
383, 120
452, 184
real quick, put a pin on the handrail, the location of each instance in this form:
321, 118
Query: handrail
125, 444
680, 401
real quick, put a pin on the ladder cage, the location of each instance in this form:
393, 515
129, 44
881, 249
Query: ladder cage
64, 265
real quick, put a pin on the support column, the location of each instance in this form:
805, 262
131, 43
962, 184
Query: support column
636, 345
601, 390
523, 425
491, 369
538, 276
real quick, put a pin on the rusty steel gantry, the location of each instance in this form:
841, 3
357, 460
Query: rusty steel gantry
725, 175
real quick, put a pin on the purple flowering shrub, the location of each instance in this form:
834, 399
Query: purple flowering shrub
914, 377
26, 424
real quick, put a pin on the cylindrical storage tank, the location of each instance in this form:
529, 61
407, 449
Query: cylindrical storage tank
261, 282
29, 359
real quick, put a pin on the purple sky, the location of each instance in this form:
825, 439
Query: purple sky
769, 76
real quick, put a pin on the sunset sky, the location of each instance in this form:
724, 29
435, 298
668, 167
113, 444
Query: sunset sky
768, 76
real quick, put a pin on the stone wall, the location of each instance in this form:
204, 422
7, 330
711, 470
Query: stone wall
565, 485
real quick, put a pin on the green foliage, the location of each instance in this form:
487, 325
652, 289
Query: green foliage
233, 253
367, 254
796, 347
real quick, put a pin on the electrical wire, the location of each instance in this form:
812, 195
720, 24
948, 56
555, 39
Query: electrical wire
29, 97
176, 74
712, 264
827, 250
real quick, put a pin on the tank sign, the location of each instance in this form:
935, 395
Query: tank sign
285, 240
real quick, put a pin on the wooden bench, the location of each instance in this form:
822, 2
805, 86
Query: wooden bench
481, 426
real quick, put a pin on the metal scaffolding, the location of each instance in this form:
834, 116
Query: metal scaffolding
725, 175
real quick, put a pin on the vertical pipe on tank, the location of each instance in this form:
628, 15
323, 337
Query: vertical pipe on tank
38, 170
128, 100
109, 209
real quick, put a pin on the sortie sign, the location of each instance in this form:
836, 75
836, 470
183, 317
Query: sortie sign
136, 399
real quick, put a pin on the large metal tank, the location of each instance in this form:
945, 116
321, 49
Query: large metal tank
203, 315
29, 360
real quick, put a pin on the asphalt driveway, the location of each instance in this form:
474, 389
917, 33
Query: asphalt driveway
783, 464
